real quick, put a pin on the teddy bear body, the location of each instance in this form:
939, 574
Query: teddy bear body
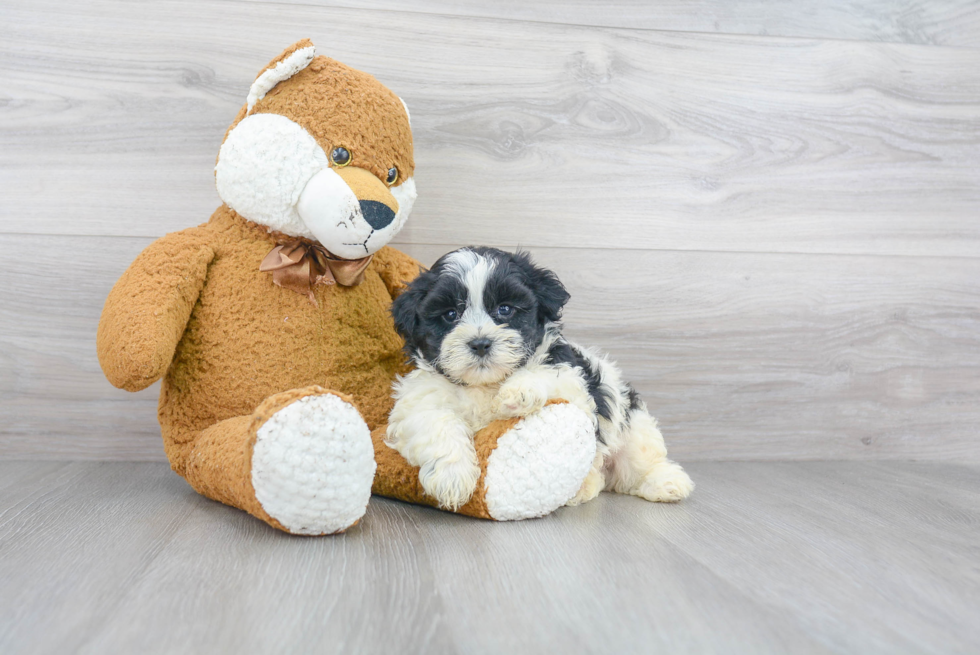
345, 342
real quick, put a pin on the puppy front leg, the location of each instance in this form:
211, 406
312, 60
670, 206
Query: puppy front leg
441, 445
523, 393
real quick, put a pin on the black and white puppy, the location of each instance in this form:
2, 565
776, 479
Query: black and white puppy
482, 328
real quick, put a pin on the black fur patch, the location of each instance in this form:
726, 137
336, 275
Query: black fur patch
634, 397
404, 310
548, 289
634, 402
563, 353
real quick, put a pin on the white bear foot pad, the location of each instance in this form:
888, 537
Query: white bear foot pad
540, 464
313, 465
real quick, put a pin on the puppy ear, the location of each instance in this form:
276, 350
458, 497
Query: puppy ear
404, 310
548, 289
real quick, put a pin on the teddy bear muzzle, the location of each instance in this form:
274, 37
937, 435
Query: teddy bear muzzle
349, 210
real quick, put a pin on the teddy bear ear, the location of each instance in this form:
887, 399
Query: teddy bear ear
407, 114
292, 60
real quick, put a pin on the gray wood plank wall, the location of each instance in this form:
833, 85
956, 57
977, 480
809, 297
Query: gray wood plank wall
768, 213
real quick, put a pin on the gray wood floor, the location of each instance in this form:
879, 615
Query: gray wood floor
801, 557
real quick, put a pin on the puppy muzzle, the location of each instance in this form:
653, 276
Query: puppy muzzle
480, 354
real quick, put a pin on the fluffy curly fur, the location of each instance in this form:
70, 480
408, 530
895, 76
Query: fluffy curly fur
482, 328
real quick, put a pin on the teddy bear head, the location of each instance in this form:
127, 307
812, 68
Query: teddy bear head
320, 151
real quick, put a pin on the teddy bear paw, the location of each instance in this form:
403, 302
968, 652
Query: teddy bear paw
540, 463
313, 465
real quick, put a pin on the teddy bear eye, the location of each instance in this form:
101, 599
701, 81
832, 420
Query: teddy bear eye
340, 156
392, 176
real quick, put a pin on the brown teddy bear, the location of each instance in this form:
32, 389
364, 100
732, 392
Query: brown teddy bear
270, 324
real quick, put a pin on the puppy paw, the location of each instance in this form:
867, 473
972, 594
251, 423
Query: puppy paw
593, 485
450, 480
666, 483
519, 398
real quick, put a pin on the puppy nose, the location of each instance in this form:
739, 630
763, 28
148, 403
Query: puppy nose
480, 346
377, 214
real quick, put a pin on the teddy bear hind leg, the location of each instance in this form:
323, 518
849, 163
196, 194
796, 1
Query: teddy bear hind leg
529, 466
302, 462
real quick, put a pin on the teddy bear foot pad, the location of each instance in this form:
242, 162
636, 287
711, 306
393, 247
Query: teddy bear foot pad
539, 464
313, 464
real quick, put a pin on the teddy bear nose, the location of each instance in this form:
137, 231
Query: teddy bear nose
480, 346
377, 214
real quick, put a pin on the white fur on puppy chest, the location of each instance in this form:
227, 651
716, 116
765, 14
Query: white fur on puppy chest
539, 465
313, 465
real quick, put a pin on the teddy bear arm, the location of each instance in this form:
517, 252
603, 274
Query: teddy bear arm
397, 270
148, 308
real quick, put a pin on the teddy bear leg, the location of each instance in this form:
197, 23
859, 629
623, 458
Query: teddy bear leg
302, 462
529, 466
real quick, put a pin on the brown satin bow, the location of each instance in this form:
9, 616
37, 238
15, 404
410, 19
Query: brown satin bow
299, 266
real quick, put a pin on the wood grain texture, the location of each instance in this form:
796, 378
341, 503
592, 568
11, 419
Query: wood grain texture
951, 22
814, 557
740, 355
621, 137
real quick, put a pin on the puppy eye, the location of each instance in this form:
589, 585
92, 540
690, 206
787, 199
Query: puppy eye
504, 311
392, 176
451, 315
340, 156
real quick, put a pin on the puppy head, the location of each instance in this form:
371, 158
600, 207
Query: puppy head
478, 314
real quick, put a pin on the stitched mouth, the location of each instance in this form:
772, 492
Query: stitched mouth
362, 244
